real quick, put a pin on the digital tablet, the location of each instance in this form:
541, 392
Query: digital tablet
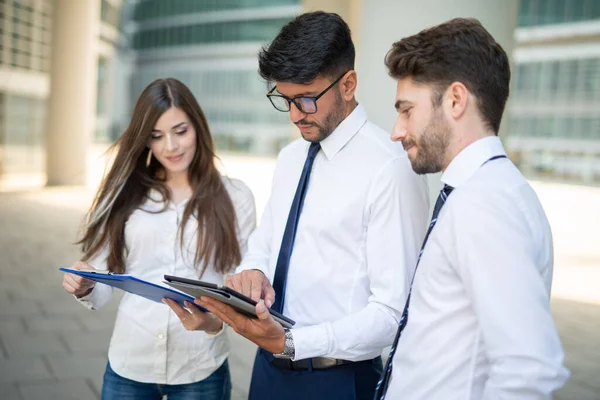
241, 303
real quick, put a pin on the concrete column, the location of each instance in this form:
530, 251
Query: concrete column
384, 22
72, 98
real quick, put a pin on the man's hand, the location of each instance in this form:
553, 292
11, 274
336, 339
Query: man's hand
195, 319
253, 284
264, 331
78, 285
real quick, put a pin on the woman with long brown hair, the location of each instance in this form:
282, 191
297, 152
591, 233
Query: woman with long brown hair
163, 208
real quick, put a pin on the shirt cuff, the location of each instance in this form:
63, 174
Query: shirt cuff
250, 268
311, 341
217, 333
87, 301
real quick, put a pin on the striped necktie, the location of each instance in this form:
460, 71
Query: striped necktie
383, 383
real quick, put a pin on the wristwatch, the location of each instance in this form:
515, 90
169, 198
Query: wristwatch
289, 351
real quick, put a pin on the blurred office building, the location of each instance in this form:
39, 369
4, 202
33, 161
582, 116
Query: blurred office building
24, 66
551, 127
26, 61
554, 114
211, 46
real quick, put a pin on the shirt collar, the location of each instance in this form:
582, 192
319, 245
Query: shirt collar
155, 202
345, 131
468, 161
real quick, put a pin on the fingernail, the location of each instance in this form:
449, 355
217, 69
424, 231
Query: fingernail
268, 303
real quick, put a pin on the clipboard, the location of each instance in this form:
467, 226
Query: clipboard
133, 285
241, 303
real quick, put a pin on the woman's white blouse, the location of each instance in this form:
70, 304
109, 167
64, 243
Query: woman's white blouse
149, 343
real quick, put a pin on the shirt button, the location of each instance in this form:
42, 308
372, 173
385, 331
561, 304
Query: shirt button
161, 336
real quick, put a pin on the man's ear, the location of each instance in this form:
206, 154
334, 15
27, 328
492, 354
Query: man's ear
348, 85
457, 100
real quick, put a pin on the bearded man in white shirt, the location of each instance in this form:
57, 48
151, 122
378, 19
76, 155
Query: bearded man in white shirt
477, 322
340, 235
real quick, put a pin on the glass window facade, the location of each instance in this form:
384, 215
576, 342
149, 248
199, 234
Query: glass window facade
24, 46
226, 32
233, 98
21, 134
554, 111
545, 12
554, 120
558, 80
25, 34
150, 9
238, 112
550, 126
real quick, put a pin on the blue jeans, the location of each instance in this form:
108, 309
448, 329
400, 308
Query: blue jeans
216, 387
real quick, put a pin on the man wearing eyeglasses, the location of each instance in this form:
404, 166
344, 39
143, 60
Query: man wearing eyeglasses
340, 236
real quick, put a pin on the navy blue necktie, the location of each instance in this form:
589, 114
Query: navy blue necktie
287, 243
383, 383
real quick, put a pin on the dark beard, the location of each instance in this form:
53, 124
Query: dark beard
332, 120
431, 145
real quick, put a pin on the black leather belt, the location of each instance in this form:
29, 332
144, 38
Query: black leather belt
302, 365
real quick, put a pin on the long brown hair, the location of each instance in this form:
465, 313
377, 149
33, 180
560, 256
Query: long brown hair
128, 182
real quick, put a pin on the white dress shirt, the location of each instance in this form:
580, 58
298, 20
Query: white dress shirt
363, 220
479, 324
149, 342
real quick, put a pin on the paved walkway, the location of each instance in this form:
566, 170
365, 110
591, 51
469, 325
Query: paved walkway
52, 348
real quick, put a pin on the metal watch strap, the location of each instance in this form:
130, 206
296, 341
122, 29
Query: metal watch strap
289, 350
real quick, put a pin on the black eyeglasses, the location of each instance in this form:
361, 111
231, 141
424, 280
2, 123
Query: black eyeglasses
306, 105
